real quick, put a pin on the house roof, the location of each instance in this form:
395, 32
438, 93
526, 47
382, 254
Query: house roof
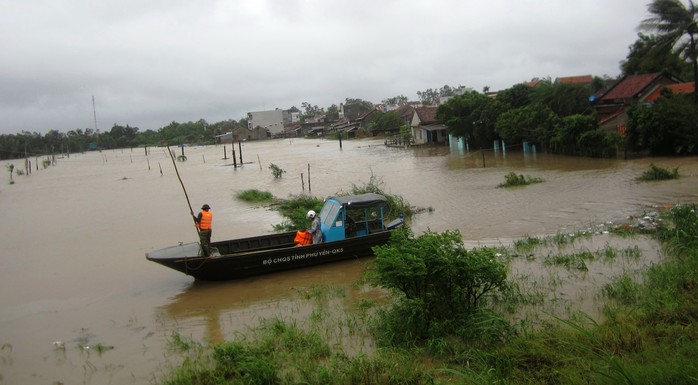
427, 115
630, 86
405, 111
680, 88
583, 79
534, 82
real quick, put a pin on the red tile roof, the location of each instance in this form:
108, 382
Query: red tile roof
630, 86
533, 82
575, 79
427, 115
680, 88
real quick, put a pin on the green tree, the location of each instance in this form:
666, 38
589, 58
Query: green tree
570, 129
668, 127
562, 98
310, 110
123, 136
535, 123
333, 112
517, 96
430, 97
646, 56
676, 26
387, 121
472, 116
400, 99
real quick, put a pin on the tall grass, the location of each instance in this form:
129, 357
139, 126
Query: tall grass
255, 196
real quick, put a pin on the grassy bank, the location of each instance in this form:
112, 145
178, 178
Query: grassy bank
646, 332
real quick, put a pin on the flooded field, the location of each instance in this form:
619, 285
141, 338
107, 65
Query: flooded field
80, 304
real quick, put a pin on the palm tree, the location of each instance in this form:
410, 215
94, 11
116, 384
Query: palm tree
676, 26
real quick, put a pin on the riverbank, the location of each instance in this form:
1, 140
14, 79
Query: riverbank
646, 335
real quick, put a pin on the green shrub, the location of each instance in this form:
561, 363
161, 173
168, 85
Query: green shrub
438, 282
658, 173
513, 179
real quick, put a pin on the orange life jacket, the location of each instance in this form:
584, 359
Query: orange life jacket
303, 238
206, 220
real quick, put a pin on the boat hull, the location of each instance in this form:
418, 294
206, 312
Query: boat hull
262, 255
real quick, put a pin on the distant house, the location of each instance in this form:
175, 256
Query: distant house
271, 120
582, 80
680, 88
612, 106
365, 119
293, 130
534, 82
291, 116
425, 128
352, 111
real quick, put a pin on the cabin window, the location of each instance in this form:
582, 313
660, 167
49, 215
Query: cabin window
329, 213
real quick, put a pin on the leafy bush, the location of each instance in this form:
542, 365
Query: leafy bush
295, 210
514, 179
438, 282
658, 173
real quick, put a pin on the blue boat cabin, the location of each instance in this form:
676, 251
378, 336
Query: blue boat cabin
352, 216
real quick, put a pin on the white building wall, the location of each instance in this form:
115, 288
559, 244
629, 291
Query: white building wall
271, 120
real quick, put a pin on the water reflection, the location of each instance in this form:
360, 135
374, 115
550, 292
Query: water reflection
243, 302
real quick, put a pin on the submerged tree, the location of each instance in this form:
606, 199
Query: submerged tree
676, 26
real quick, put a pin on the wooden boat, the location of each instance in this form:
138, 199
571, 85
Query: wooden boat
351, 227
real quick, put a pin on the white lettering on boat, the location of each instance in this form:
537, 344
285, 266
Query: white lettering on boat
298, 257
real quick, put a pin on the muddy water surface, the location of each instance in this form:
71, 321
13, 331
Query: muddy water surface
73, 238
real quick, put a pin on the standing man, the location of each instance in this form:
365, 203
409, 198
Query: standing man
315, 228
203, 222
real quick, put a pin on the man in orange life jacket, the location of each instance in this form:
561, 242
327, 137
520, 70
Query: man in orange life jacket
203, 222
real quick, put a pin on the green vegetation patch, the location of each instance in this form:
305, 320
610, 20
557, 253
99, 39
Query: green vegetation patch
254, 195
513, 179
659, 173
440, 288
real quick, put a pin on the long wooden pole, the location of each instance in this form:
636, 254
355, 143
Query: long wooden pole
183, 189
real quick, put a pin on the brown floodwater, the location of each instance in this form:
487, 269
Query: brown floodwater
73, 238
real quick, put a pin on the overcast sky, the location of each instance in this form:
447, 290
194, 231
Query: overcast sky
150, 62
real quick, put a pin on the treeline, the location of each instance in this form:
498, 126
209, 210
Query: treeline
53, 142
561, 118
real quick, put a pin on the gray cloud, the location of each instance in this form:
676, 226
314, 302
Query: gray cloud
149, 63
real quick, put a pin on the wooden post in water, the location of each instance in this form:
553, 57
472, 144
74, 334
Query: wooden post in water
308, 177
260, 163
302, 182
148, 163
340, 140
225, 154
240, 148
483, 158
235, 164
